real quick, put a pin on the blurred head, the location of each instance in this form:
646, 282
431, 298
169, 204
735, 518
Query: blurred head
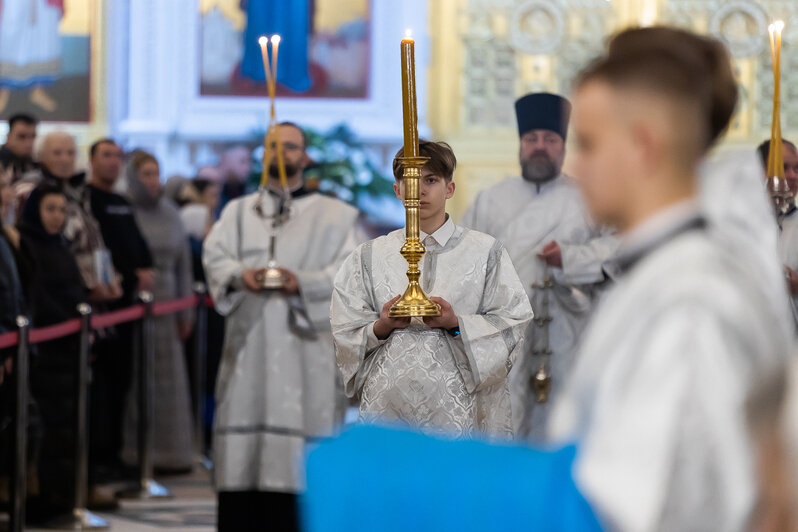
645, 114
210, 173
21, 135
58, 154
208, 192
436, 184
235, 164
105, 157
790, 153
294, 142
148, 171
52, 210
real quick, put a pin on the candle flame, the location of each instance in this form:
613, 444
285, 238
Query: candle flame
263, 40
408, 33
779, 26
276, 39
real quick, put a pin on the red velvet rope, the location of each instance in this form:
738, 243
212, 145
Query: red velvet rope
9, 339
100, 321
51, 332
176, 305
116, 317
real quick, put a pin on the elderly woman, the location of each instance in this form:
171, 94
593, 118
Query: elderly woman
160, 224
57, 155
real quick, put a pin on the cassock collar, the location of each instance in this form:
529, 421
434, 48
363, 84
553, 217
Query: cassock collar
442, 234
656, 232
296, 192
542, 188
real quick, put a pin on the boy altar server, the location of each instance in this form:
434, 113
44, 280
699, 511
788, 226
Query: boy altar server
443, 374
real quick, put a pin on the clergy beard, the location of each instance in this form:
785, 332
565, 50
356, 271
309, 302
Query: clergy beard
290, 170
539, 168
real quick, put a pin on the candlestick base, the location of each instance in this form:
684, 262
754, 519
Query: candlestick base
271, 278
414, 303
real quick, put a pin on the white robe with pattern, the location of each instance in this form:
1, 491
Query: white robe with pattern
276, 387
426, 377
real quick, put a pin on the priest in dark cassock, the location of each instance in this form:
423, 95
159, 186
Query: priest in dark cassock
557, 250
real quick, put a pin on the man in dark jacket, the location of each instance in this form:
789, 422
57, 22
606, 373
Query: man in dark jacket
132, 260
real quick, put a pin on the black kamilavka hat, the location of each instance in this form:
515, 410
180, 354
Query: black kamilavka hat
543, 110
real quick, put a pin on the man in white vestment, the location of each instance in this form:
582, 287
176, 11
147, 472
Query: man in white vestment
445, 374
277, 384
788, 221
667, 367
556, 249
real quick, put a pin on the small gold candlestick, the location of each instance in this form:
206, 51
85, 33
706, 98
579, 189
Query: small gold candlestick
414, 302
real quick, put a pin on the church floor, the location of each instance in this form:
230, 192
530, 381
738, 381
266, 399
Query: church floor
191, 509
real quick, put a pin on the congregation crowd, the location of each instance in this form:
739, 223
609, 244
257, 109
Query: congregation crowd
101, 237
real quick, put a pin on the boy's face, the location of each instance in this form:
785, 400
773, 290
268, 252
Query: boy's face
605, 153
433, 191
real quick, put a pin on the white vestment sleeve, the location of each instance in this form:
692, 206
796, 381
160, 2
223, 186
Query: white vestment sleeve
490, 340
223, 267
583, 263
668, 450
352, 316
315, 287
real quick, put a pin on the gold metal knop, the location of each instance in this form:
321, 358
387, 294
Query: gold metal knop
414, 302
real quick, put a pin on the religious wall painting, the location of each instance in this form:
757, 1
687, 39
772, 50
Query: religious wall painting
325, 50
45, 59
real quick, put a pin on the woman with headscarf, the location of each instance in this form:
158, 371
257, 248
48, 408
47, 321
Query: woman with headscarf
160, 224
53, 287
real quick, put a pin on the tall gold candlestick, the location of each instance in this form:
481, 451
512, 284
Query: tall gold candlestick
272, 138
414, 302
776, 155
780, 193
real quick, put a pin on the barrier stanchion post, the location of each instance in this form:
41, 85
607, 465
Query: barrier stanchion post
82, 518
19, 473
148, 488
200, 365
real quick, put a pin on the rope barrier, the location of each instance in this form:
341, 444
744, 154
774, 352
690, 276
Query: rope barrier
101, 321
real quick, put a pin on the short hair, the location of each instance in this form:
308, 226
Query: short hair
764, 151
442, 161
21, 118
96, 145
200, 184
141, 157
678, 64
47, 189
297, 126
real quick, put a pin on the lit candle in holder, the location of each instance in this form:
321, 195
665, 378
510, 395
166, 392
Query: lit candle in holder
783, 198
414, 302
272, 138
776, 156
409, 108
